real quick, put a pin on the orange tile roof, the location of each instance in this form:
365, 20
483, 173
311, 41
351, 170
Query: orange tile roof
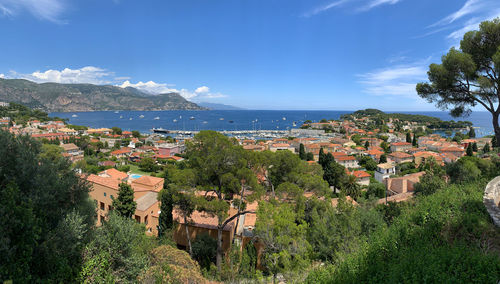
114, 173
108, 182
400, 144
148, 180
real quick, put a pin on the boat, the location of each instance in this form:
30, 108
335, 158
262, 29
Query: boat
294, 124
284, 118
192, 118
231, 121
160, 130
74, 115
156, 118
116, 111
121, 116
175, 120
141, 116
130, 119
222, 118
205, 122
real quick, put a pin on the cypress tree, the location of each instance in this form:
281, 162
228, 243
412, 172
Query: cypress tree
474, 147
414, 141
367, 144
472, 133
321, 156
309, 156
302, 152
469, 150
486, 148
165, 221
408, 137
124, 204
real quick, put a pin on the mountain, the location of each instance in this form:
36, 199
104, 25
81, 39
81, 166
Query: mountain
54, 97
214, 106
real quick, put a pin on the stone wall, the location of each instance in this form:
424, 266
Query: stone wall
491, 200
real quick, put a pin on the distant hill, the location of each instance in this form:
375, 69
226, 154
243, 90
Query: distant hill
54, 97
214, 106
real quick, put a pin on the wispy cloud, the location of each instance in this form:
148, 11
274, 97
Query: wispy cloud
101, 76
470, 6
323, 8
375, 3
49, 10
397, 80
367, 5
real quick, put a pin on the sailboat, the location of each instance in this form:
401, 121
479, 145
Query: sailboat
141, 116
156, 118
74, 115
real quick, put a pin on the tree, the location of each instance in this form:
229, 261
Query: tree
165, 221
309, 156
124, 204
383, 158
469, 76
302, 152
469, 150
472, 133
368, 163
45, 214
367, 144
283, 237
351, 187
321, 156
408, 137
414, 142
148, 165
494, 142
222, 166
376, 189
474, 147
186, 202
116, 130
205, 250
486, 148
429, 184
136, 134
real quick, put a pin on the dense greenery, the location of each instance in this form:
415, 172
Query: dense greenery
22, 114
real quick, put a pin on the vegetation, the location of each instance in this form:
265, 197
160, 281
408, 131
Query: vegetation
125, 204
22, 114
469, 76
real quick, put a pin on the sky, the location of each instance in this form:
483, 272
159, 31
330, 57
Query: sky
256, 54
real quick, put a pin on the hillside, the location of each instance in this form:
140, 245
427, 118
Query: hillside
214, 106
53, 97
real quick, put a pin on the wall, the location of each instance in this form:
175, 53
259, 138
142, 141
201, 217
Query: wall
491, 200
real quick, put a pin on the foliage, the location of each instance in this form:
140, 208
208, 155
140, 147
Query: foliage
45, 214
148, 165
205, 250
429, 184
302, 152
376, 189
124, 204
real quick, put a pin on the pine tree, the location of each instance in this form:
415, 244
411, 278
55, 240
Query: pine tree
472, 133
469, 150
408, 137
486, 148
124, 204
302, 152
474, 147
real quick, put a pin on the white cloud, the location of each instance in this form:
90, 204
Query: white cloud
375, 3
88, 74
398, 80
368, 6
323, 8
149, 87
50, 10
100, 76
202, 89
469, 7
2, 75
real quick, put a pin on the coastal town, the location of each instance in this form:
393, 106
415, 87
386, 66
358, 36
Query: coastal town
385, 156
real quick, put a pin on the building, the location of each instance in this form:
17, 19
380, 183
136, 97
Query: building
281, 146
362, 177
73, 152
400, 157
400, 146
402, 184
384, 171
347, 161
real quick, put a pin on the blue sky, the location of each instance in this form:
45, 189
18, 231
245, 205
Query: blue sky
257, 54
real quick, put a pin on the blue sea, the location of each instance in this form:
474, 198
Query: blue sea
144, 121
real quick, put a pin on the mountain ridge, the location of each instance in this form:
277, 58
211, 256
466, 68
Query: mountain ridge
56, 97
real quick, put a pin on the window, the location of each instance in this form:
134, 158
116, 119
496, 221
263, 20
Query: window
112, 197
105, 194
146, 220
110, 208
102, 206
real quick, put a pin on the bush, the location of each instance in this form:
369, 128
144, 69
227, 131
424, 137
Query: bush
205, 250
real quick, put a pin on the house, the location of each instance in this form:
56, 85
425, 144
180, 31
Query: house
400, 157
384, 171
362, 177
400, 146
106, 163
147, 183
147, 212
169, 149
421, 157
121, 153
347, 161
403, 184
114, 174
455, 151
281, 146
374, 154
74, 153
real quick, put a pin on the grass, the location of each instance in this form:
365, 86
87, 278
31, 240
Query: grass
135, 170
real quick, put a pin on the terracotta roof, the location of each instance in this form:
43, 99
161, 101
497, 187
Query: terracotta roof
400, 144
108, 182
360, 174
115, 174
335, 201
281, 145
148, 180
69, 147
202, 219
345, 158
147, 200
400, 155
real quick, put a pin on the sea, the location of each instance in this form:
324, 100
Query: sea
145, 121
